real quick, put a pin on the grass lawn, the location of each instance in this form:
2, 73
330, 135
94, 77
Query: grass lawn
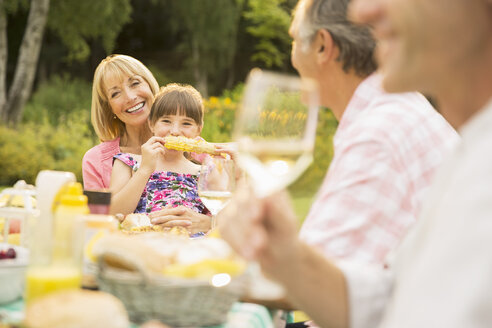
302, 204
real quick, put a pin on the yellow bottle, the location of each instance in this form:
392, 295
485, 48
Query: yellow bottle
62, 267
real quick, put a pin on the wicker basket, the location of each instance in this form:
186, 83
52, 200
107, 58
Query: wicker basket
176, 302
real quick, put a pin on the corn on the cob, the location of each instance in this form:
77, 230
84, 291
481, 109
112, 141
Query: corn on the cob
187, 144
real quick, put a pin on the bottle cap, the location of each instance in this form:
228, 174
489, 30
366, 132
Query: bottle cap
73, 195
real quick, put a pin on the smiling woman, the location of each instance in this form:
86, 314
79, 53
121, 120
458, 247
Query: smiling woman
122, 94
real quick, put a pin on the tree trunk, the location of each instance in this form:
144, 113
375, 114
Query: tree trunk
199, 73
231, 76
28, 58
3, 59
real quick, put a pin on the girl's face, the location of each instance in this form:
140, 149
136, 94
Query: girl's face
130, 99
176, 125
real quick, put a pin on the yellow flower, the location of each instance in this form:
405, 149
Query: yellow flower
227, 101
213, 100
272, 115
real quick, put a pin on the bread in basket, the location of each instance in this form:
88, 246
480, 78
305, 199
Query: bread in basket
171, 277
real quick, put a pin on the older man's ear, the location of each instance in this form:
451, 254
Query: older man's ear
327, 49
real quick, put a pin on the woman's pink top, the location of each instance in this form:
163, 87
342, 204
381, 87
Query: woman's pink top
97, 164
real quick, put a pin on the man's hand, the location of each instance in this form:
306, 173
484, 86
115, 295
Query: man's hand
261, 229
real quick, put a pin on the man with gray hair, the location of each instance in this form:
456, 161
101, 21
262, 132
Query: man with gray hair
440, 274
386, 147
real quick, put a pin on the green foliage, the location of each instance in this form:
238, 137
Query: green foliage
12, 6
40, 146
55, 133
270, 21
219, 117
210, 35
220, 113
302, 205
57, 97
310, 181
159, 75
76, 21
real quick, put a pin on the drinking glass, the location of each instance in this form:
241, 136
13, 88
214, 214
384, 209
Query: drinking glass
275, 129
216, 183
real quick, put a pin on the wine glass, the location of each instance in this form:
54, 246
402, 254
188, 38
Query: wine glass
216, 183
275, 129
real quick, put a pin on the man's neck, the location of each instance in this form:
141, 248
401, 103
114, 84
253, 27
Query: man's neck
467, 91
337, 90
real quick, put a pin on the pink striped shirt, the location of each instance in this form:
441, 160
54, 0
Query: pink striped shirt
386, 149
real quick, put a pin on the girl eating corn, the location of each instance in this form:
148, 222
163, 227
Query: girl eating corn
162, 182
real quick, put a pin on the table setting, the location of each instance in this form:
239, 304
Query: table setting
144, 272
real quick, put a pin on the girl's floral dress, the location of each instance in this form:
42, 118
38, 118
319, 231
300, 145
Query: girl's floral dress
166, 188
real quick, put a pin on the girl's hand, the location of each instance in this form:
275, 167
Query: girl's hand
181, 216
151, 150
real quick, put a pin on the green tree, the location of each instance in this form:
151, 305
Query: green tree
209, 35
11, 103
270, 20
73, 21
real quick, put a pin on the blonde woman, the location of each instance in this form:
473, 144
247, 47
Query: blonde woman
122, 94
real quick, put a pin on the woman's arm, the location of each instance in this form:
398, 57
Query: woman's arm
265, 230
92, 170
181, 216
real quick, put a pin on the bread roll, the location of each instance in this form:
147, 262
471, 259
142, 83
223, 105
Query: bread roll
135, 220
133, 252
77, 309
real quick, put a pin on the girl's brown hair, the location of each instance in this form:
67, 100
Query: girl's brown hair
175, 99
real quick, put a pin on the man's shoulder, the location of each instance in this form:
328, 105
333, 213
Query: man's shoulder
399, 109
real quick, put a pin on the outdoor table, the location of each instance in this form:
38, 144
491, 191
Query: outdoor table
241, 315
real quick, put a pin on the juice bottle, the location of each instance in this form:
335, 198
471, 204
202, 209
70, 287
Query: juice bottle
61, 268
96, 227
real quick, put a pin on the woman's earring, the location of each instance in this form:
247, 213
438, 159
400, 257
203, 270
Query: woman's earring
114, 117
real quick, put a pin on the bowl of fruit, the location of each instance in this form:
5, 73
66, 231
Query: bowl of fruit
13, 265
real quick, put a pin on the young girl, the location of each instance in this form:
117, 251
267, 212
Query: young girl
160, 177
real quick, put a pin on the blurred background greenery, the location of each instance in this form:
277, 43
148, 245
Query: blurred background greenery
211, 44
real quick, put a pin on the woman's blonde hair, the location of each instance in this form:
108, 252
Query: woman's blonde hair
103, 120
176, 98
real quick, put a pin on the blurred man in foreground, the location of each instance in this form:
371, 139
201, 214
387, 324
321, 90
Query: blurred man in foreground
440, 274
386, 147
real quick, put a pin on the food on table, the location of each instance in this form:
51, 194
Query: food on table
14, 225
13, 265
137, 223
77, 309
204, 269
7, 200
13, 239
169, 255
8, 253
187, 144
44, 280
